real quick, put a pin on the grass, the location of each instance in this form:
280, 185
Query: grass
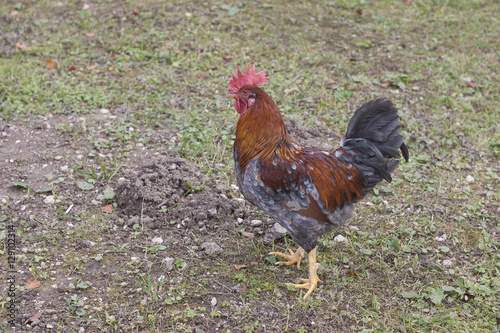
426, 256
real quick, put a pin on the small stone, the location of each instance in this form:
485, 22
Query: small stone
134, 258
447, 262
239, 200
274, 233
104, 111
157, 240
278, 228
353, 228
255, 223
184, 266
57, 158
212, 212
213, 301
49, 200
49, 326
210, 248
234, 187
469, 179
169, 262
220, 188
320, 267
339, 239
24, 250
239, 220
442, 238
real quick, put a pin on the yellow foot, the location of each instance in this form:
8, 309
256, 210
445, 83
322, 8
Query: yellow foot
313, 277
307, 284
293, 258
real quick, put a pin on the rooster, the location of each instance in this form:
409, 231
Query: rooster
306, 190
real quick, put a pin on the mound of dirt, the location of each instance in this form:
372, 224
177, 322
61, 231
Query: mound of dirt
169, 191
310, 136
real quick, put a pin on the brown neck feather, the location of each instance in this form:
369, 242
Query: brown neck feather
260, 130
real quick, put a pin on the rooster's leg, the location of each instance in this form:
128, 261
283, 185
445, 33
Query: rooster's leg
293, 258
313, 277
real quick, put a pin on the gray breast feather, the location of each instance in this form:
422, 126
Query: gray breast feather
283, 204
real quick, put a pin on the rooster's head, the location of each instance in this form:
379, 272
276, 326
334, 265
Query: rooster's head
240, 87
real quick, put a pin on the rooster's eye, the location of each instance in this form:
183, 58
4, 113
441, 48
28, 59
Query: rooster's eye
245, 92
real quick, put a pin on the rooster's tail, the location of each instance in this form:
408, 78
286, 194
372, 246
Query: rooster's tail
372, 140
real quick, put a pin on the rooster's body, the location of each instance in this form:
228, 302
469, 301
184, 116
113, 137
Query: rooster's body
307, 190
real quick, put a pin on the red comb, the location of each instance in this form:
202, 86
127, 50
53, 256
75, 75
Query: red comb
247, 78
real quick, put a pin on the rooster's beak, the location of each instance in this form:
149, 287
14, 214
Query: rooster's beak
231, 96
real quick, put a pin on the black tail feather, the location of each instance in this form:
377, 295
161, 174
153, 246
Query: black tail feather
373, 140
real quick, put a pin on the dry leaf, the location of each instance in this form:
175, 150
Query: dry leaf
359, 11
21, 46
352, 273
32, 319
240, 266
135, 13
247, 234
33, 284
14, 13
51, 64
90, 34
385, 84
406, 1
112, 56
353, 59
72, 68
471, 84
110, 68
91, 67
107, 209
228, 57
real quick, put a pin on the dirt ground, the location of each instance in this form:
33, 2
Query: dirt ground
117, 184
159, 192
